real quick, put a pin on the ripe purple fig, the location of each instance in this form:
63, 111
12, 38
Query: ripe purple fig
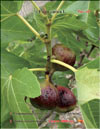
48, 98
66, 101
64, 54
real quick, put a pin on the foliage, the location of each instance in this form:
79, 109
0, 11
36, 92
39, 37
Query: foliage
22, 50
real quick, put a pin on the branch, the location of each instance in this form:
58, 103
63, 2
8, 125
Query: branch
30, 27
53, 17
46, 41
48, 45
64, 64
38, 69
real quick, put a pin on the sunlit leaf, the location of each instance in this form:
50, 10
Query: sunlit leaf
87, 79
12, 28
10, 63
22, 83
69, 22
90, 112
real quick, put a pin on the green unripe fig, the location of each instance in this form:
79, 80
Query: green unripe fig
64, 54
66, 100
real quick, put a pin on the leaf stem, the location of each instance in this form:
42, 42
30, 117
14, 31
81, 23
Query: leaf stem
36, 6
38, 69
64, 64
30, 27
53, 17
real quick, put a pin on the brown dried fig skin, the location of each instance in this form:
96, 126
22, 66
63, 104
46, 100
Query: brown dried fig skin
64, 54
48, 99
66, 101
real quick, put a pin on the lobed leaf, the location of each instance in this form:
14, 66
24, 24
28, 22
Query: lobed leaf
9, 64
13, 29
87, 79
92, 32
69, 22
90, 112
22, 83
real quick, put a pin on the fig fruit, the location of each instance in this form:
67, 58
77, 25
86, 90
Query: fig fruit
66, 100
64, 54
48, 98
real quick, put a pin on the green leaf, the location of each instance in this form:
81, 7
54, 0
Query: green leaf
16, 86
14, 29
9, 63
82, 6
69, 22
87, 79
78, 5
74, 90
90, 112
22, 83
19, 4
40, 22
69, 40
37, 50
52, 5
92, 32
5, 115
27, 83
59, 78
7, 8
7, 123
31, 20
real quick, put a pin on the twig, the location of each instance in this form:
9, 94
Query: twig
38, 69
64, 64
52, 19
